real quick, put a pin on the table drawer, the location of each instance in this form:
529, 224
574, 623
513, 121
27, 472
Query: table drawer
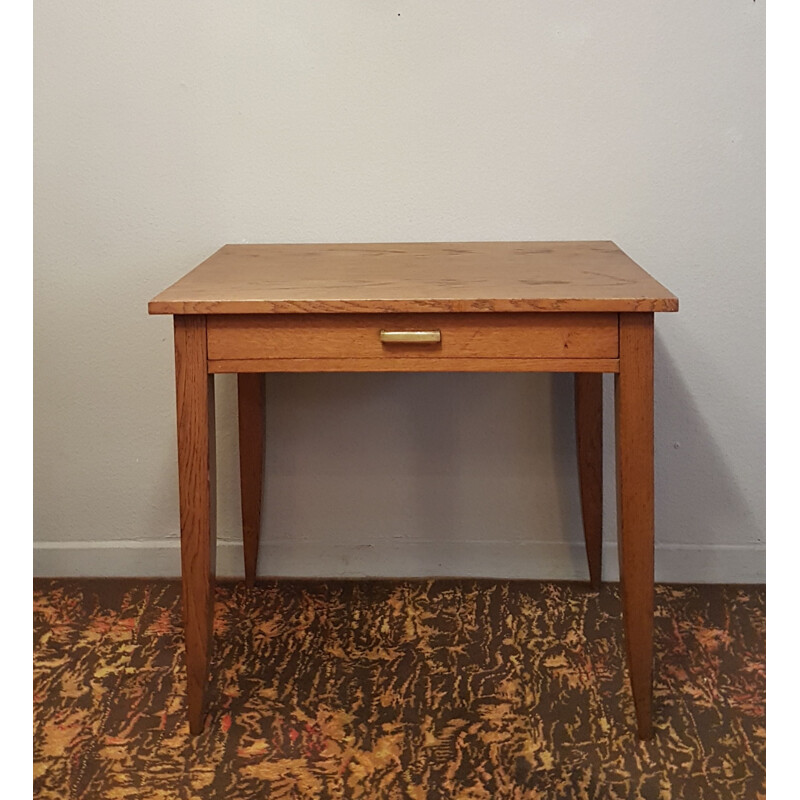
358, 336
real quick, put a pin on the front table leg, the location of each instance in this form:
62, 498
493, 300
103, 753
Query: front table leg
196, 481
634, 432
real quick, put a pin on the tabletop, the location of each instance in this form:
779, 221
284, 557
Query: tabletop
415, 277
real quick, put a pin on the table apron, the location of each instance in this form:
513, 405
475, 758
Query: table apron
503, 342
237, 366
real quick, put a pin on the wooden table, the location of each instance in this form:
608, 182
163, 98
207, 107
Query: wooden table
581, 307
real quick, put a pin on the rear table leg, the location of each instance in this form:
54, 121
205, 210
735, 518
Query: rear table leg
589, 439
252, 401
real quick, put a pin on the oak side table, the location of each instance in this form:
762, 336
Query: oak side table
582, 307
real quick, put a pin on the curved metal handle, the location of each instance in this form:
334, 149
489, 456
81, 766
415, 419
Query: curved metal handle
410, 337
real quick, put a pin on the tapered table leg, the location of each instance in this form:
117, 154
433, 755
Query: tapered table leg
635, 508
252, 401
589, 440
196, 481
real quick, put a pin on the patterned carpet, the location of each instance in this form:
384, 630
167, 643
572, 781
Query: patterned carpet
462, 689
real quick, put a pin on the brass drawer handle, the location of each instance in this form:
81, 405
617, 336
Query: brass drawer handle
410, 337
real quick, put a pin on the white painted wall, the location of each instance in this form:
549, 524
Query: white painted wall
164, 130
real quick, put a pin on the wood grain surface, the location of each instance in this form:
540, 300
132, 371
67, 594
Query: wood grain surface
197, 491
414, 365
635, 506
318, 308
589, 443
322, 336
252, 428
415, 277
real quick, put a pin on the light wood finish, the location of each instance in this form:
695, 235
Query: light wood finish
415, 277
323, 336
252, 424
197, 489
589, 443
255, 309
635, 504
414, 365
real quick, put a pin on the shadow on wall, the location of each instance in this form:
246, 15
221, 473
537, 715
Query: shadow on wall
698, 499
448, 472
566, 464
701, 511
489, 446
465, 468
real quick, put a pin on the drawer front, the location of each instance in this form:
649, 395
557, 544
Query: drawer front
358, 336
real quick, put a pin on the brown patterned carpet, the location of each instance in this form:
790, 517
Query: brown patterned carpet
458, 689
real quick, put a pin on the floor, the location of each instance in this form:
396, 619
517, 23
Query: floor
458, 689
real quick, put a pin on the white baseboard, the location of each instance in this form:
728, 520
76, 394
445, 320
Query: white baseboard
398, 558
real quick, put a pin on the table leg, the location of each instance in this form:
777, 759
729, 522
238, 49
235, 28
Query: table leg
196, 481
589, 440
635, 514
252, 402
